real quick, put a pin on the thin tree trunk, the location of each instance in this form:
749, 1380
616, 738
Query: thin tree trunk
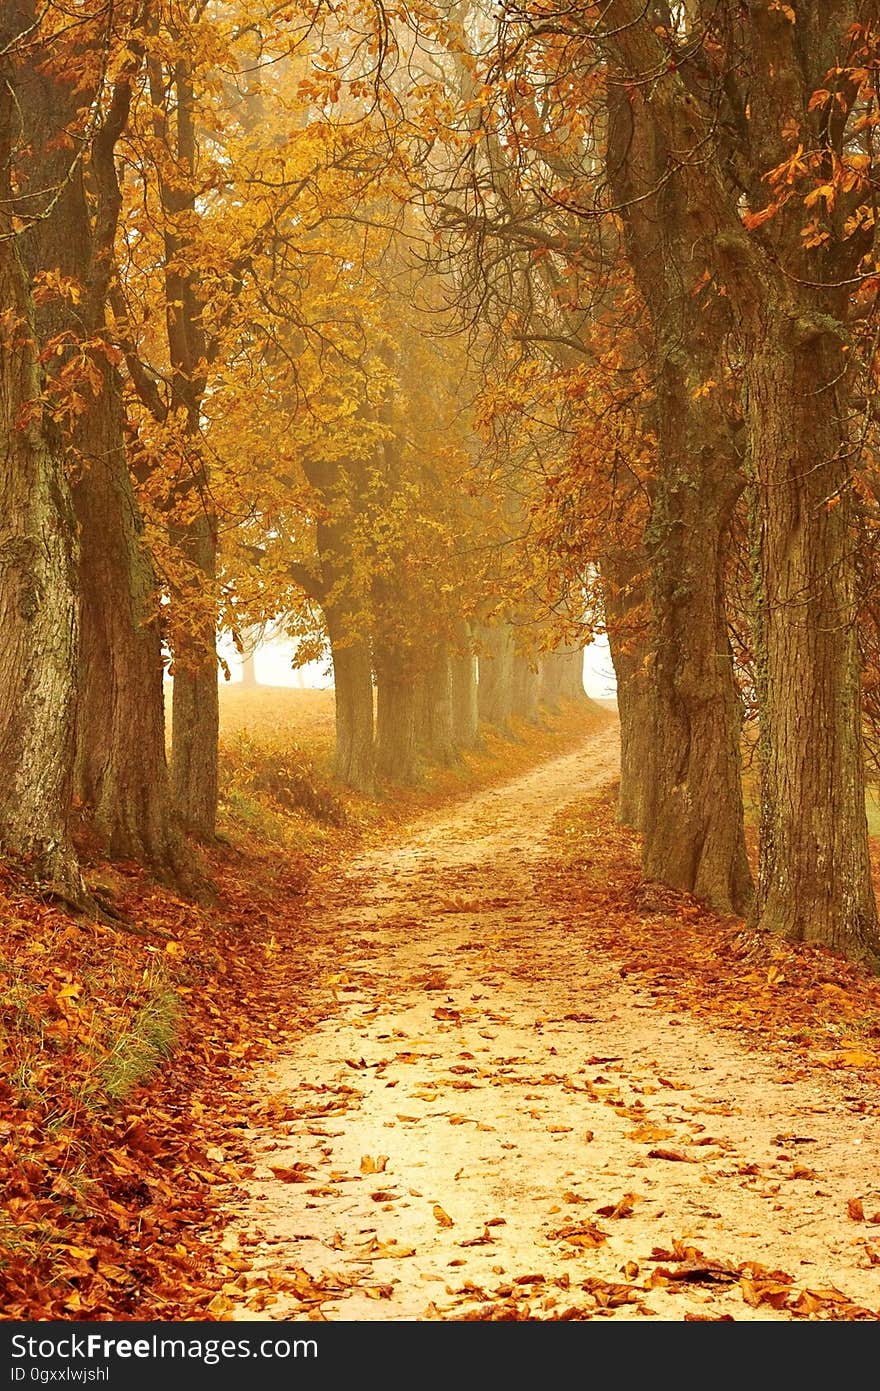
249, 671
38, 609
195, 698
550, 676
465, 703
571, 673
195, 701
627, 641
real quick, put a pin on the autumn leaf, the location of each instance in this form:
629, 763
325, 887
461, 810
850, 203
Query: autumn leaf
369, 1165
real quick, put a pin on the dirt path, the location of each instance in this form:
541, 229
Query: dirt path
492, 1123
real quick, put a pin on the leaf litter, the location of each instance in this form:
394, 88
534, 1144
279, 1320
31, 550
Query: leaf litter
511, 1027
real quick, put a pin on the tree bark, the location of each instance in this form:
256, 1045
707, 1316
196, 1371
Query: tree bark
791, 297
353, 762
38, 610
623, 589
121, 771
195, 697
397, 698
465, 701
496, 673
526, 680
814, 881
692, 813
438, 736
120, 767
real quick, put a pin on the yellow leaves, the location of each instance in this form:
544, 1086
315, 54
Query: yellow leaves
703, 389
856, 1057
826, 191
51, 284
649, 1134
369, 1165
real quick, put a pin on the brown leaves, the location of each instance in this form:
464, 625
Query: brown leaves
674, 1156
582, 1234
624, 1207
294, 1173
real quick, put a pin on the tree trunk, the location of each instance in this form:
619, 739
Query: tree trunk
623, 595
249, 672
814, 881
571, 674
496, 673
465, 702
38, 611
526, 693
397, 698
438, 734
353, 762
550, 678
693, 809
195, 697
121, 771
120, 768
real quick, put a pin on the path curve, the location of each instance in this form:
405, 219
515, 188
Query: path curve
491, 1122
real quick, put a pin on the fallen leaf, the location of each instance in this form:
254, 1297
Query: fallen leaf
373, 1166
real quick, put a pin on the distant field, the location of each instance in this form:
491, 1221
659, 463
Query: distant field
304, 718
276, 715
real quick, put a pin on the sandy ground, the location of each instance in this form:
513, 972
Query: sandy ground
491, 1122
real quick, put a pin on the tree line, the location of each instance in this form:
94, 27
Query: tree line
229, 394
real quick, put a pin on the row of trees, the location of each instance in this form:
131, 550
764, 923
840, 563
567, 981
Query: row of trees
230, 391
440, 331
671, 211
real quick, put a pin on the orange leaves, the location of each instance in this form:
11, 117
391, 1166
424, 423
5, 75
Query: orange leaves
584, 1235
753, 220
